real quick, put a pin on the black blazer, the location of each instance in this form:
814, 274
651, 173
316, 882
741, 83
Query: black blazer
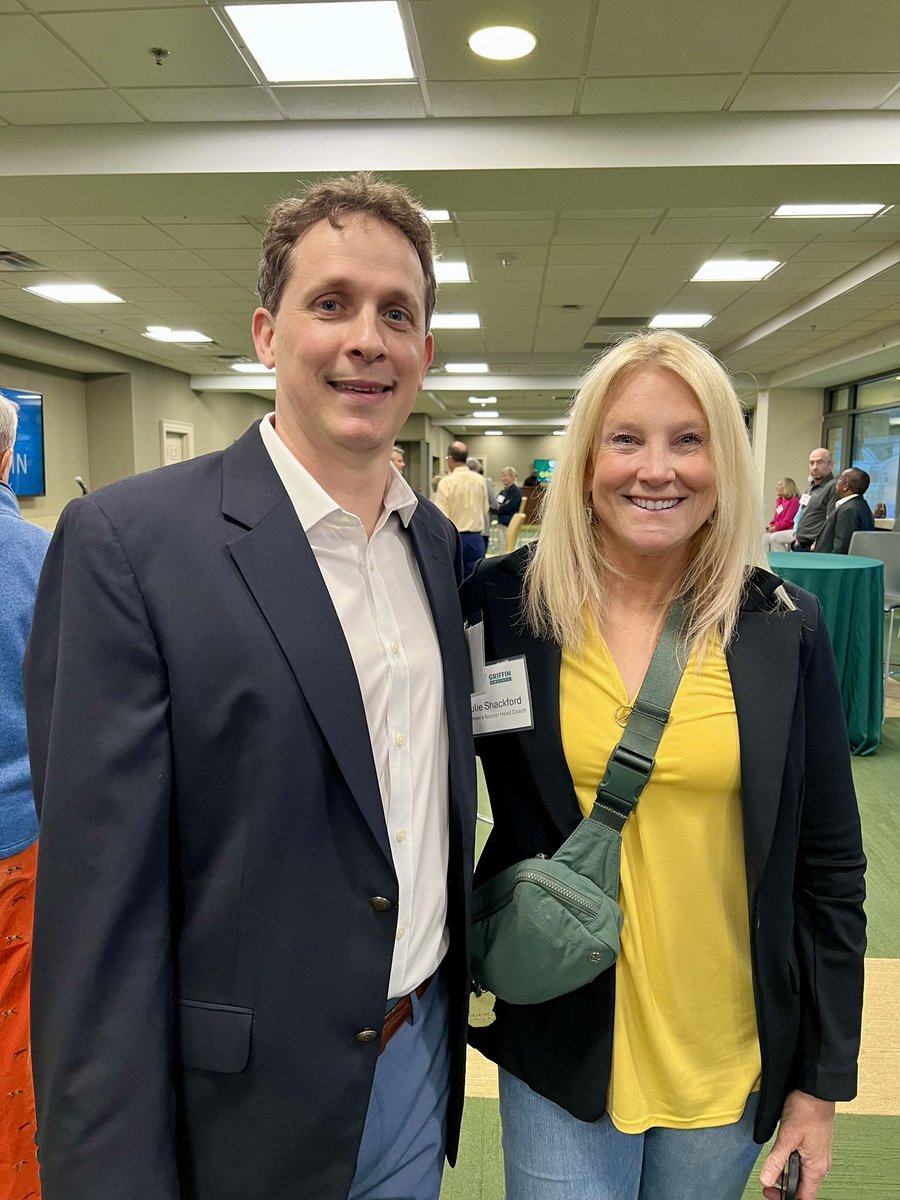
801, 842
845, 519
205, 949
510, 504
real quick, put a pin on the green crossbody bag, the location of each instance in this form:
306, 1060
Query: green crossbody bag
547, 926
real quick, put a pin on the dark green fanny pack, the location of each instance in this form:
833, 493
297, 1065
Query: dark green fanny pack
548, 926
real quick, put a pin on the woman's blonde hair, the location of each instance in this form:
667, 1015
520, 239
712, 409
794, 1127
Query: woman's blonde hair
566, 580
789, 488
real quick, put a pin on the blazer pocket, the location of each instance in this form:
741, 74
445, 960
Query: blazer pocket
214, 1037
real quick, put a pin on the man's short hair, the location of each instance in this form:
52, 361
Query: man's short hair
9, 423
474, 465
857, 479
361, 194
458, 452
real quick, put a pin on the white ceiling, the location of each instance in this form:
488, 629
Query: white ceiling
586, 182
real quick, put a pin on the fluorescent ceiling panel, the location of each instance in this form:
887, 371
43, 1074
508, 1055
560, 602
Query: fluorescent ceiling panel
74, 293
493, 433
680, 320
735, 270
452, 272
502, 42
475, 368
828, 210
486, 415
252, 368
162, 333
435, 215
482, 399
456, 321
315, 43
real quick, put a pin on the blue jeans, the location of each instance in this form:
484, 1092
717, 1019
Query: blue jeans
549, 1155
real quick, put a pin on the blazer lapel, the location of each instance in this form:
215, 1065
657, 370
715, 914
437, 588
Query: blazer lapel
764, 663
277, 564
541, 745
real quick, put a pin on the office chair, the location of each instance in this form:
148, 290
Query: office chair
512, 531
885, 546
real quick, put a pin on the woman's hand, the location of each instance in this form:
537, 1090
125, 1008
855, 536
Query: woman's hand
807, 1124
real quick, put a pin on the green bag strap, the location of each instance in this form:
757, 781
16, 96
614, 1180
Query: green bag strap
631, 762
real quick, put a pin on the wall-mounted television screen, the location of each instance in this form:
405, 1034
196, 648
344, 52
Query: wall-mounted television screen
544, 468
27, 475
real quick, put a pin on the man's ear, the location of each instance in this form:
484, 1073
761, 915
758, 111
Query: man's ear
263, 329
6, 464
428, 356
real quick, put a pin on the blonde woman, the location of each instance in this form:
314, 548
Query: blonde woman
734, 1007
787, 502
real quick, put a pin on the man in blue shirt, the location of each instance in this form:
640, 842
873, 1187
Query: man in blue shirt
22, 549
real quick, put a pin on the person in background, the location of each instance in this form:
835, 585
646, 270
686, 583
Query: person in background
735, 1005
251, 740
816, 505
851, 513
474, 464
510, 499
780, 531
462, 497
22, 550
398, 458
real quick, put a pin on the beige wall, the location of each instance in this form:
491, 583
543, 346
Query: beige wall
787, 425
511, 450
65, 435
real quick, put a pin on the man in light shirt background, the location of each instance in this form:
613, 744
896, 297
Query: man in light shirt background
463, 497
249, 717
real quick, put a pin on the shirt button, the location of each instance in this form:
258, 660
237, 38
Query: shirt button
366, 1035
401, 933
395, 647
380, 903
400, 835
400, 739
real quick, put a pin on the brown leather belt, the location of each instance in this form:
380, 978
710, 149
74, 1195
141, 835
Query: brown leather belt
400, 1013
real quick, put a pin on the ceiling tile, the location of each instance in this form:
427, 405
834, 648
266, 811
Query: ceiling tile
838, 252
832, 35
161, 260
83, 107
682, 229
351, 102
50, 6
652, 251
778, 93
117, 45
505, 233
32, 239
443, 28
207, 237
188, 279
579, 253
202, 103
656, 37
658, 94
34, 60
78, 260
504, 98
127, 237
603, 231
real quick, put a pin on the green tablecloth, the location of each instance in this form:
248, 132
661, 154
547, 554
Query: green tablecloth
851, 592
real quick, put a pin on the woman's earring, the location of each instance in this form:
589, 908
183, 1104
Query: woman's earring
589, 512
711, 519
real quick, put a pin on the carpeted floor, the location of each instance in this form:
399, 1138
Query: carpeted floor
867, 1133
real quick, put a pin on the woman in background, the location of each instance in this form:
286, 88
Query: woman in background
735, 1003
787, 501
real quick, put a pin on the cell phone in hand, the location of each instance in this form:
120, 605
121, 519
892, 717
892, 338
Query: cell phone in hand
790, 1177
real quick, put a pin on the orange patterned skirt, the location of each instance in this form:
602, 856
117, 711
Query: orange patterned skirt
18, 1156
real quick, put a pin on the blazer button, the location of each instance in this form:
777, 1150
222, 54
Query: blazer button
366, 1035
381, 904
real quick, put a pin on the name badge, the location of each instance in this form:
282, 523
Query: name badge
804, 500
504, 706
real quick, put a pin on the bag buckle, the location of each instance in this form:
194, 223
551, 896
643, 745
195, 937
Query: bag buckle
626, 777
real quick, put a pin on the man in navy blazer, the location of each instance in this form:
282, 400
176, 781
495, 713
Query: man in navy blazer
251, 745
851, 512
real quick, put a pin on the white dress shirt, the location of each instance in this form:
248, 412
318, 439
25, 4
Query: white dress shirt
380, 601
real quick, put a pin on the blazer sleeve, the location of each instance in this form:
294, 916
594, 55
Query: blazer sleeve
97, 705
829, 893
845, 525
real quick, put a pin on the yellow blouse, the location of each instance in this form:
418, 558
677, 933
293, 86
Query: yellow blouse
685, 1044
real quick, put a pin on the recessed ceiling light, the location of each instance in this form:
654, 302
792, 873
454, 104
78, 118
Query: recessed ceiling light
456, 321
252, 368
559, 433
482, 399
493, 433
435, 215
735, 270
75, 293
828, 210
502, 42
314, 43
679, 320
162, 333
452, 272
486, 416
454, 368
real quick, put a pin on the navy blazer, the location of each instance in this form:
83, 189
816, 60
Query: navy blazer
802, 849
212, 833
